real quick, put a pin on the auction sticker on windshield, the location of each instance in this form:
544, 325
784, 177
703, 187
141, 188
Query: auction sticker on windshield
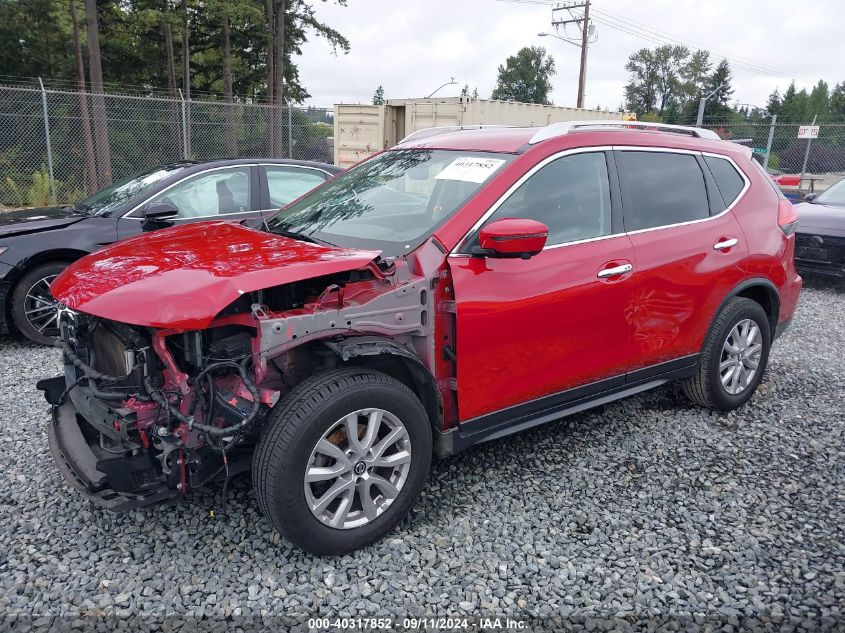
470, 169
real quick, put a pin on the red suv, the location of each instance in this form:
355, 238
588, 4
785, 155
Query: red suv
457, 288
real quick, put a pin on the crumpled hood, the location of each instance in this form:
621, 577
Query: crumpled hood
184, 276
33, 220
815, 216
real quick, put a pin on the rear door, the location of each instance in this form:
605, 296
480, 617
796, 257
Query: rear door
530, 332
689, 251
281, 184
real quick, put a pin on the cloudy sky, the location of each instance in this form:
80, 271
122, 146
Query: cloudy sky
413, 46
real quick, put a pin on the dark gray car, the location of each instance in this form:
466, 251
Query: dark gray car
37, 244
820, 239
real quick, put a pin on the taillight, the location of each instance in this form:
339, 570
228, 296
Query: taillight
787, 217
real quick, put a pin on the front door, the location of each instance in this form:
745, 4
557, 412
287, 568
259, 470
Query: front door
527, 329
221, 193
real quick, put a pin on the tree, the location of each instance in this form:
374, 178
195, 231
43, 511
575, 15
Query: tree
837, 102
466, 93
526, 77
795, 106
641, 90
720, 90
820, 100
95, 70
774, 102
378, 96
91, 182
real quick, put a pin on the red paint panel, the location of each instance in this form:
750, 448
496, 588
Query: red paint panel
530, 328
180, 278
772, 254
680, 282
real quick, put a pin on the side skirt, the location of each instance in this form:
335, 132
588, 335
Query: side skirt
550, 408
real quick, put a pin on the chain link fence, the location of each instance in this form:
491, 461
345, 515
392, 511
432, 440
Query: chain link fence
777, 146
58, 146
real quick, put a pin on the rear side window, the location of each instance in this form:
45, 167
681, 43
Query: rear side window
661, 188
729, 182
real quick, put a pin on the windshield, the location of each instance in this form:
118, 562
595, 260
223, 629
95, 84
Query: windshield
116, 194
391, 202
833, 195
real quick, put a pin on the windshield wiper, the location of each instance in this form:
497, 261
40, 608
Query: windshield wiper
84, 209
302, 237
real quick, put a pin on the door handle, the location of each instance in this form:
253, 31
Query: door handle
723, 244
616, 270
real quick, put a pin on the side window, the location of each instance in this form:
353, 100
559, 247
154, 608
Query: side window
217, 192
570, 195
729, 182
286, 184
661, 188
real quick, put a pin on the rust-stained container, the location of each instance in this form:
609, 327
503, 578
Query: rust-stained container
362, 130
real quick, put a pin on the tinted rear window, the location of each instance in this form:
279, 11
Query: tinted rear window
729, 182
661, 188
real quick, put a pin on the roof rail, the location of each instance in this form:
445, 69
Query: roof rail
443, 129
564, 127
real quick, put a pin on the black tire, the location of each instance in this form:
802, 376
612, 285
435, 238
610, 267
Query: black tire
705, 388
18, 306
296, 425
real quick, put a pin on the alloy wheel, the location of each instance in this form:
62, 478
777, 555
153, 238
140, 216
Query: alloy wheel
358, 468
40, 308
740, 358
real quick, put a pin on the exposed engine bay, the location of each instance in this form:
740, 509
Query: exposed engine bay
143, 414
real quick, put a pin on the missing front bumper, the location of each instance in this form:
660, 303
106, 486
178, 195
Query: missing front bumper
78, 465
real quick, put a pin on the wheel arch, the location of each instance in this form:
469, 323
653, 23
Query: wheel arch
60, 255
388, 357
760, 290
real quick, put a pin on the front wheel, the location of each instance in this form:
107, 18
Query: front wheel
342, 460
34, 309
734, 357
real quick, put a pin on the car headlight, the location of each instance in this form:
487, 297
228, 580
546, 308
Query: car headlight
3, 249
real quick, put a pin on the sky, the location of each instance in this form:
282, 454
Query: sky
413, 46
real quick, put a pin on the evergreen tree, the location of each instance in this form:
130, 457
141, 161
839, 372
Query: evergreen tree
720, 90
378, 96
820, 101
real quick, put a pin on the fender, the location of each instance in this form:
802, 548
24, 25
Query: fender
423, 382
754, 282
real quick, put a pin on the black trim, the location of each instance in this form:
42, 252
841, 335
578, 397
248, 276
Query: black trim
715, 200
553, 407
751, 283
617, 224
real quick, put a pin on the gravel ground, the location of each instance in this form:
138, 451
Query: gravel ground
646, 512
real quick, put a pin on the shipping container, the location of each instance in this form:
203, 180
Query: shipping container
362, 130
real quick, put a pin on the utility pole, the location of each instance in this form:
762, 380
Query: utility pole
584, 23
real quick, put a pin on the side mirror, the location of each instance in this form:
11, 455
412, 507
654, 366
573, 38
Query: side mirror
512, 237
156, 213
160, 211
810, 197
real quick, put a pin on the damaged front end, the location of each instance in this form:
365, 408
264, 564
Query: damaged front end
143, 413
131, 428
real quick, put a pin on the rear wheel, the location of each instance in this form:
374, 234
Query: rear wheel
34, 310
342, 460
734, 357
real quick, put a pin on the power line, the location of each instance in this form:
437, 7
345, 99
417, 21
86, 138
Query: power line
657, 36
641, 30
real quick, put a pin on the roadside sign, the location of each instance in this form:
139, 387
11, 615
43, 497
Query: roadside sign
759, 150
808, 131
